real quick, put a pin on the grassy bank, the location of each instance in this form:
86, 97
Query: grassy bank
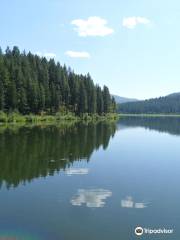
15, 117
148, 115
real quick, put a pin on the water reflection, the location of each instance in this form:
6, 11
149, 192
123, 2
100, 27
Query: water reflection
128, 202
38, 151
162, 124
93, 198
77, 171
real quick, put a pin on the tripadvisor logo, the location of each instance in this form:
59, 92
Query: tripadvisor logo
139, 231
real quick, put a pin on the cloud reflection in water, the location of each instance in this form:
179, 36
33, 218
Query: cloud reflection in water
77, 171
93, 198
129, 203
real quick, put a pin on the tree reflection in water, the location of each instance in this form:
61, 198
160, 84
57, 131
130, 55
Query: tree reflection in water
31, 152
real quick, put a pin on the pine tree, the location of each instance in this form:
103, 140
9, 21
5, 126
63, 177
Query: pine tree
113, 105
100, 102
106, 99
31, 84
12, 96
2, 97
82, 99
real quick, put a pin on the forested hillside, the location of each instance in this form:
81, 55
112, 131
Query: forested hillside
169, 104
120, 100
33, 84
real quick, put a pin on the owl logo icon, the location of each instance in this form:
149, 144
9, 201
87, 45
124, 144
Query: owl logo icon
139, 231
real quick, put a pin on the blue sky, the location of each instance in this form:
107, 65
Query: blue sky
131, 46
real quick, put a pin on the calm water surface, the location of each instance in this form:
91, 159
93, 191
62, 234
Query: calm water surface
90, 181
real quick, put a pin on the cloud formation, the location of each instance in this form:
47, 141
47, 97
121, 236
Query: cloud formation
93, 26
132, 22
49, 55
93, 198
46, 54
75, 54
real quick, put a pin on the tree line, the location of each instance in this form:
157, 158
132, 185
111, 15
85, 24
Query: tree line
33, 84
169, 104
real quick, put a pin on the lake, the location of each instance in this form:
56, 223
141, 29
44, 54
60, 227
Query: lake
90, 181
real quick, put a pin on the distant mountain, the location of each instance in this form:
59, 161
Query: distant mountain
173, 95
119, 99
169, 104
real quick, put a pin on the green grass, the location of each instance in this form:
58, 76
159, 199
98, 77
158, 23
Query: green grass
16, 117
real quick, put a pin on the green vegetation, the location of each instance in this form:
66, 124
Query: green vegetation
169, 105
31, 85
16, 117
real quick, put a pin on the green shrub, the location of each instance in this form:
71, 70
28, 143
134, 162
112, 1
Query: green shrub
16, 117
3, 117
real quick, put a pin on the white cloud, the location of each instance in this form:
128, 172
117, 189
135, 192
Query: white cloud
39, 53
49, 55
46, 54
93, 26
132, 22
74, 54
91, 197
77, 171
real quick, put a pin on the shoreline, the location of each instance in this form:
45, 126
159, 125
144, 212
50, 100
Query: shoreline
147, 115
16, 118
